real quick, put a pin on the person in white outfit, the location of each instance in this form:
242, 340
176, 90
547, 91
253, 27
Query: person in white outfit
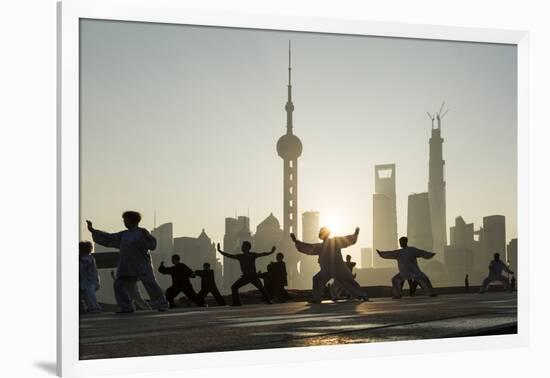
496, 267
135, 295
408, 267
332, 264
88, 278
134, 262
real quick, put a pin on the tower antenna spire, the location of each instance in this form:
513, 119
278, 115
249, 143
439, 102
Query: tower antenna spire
289, 107
289, 62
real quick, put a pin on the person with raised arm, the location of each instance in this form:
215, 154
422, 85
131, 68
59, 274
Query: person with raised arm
331, 263
247, 261
180, 274
408, 267
134, 262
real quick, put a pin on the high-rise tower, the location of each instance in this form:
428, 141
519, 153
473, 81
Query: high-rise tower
289, 148
436, 189
384, 213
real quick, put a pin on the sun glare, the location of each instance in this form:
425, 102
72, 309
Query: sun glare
334, 224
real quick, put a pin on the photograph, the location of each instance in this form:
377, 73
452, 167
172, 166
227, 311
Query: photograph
245, 189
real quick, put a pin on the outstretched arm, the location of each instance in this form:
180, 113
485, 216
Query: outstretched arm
424, 254
267, 253
225, 253
165, 270
388, 254
104, 238
346, 241
305, 248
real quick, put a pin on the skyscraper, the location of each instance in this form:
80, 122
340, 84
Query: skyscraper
419, 225
384, 213
459, 255
289, 148
194, 252
165, 241
436, 190
310, 226
165, 248
512, 255
366, 258
494, 237
268, 233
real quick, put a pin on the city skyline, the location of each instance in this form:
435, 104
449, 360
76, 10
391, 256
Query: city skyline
254, 183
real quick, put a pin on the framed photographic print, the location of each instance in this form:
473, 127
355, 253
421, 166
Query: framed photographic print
247, 188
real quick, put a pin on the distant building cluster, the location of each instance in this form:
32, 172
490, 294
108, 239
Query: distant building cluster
468, 251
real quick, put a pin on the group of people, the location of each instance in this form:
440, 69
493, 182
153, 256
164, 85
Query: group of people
135, 264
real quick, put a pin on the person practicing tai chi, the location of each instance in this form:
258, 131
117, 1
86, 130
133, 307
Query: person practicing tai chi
135, 295
331, 262
134, 262
88, 278
181, 274
496, 268
408, 267
277, 279
208, 284
247, 260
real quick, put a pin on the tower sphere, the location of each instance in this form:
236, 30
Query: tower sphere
289, 146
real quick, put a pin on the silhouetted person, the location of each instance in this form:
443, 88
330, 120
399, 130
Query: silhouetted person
278, 279
134, 262
408, 267
181, 274
135, 295
247, 260
513, 283
88, 278
208, 284
466, 284
496, 267
331, 262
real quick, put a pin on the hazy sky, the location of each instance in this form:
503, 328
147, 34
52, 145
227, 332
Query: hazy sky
183, 120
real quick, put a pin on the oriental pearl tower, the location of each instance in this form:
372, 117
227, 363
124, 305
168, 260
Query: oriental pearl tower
289, 148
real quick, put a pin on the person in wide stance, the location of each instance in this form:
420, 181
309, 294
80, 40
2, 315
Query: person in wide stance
408, 267
181, 274
331, 263
208, 284
134, 262
496, 268
247, 260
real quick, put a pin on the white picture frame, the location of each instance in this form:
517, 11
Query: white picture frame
69, 14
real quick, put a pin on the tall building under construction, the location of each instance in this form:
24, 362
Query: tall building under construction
384, 213
436, 190
419, 225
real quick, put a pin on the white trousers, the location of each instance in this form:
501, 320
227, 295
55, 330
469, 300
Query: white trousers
344, 279
397, 283
88, 300
125, 290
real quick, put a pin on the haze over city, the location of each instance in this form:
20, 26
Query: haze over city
183, 121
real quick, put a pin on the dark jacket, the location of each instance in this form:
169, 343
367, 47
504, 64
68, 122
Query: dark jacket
180, 273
